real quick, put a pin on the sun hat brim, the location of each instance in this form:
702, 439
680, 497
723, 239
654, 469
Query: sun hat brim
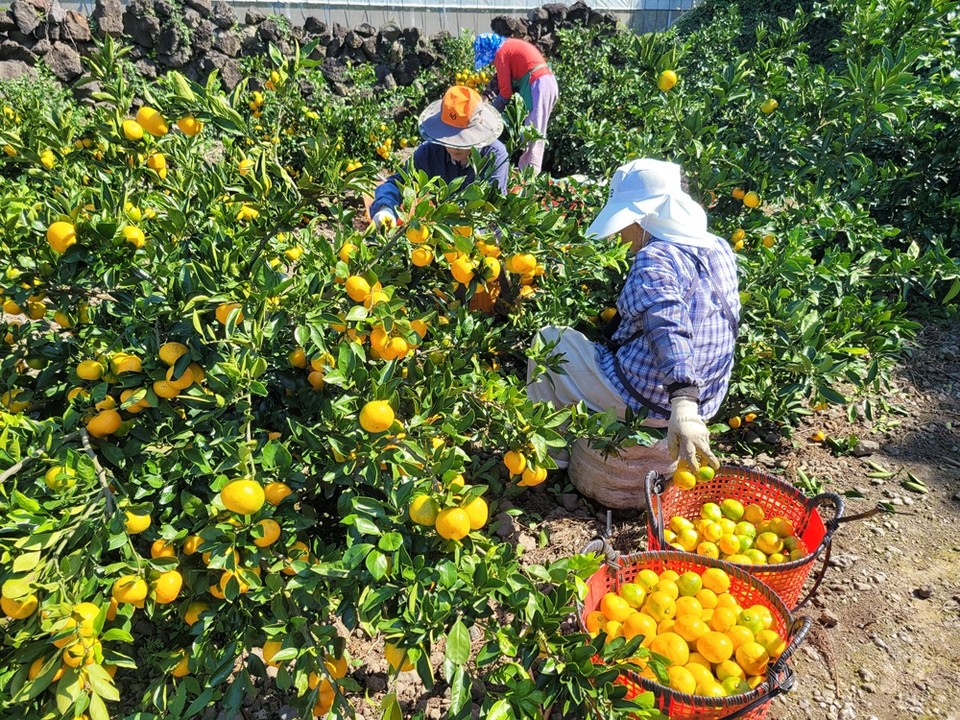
485, 127
677, 219
615, 216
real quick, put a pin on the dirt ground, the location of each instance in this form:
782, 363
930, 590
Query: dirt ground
885, 637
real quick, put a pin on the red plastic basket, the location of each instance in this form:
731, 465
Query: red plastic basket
664, 500
748, 590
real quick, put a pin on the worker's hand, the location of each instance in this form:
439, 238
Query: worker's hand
688, 435
385, 219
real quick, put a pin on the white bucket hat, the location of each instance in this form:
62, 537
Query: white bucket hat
649, 192
460, 119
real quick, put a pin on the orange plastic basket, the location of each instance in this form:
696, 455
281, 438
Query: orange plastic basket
748, 590
664, 500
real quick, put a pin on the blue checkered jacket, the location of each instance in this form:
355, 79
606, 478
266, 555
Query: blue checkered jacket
679, 311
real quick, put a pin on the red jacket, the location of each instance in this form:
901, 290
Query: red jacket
513, 60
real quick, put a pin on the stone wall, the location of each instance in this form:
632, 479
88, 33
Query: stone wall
197, 37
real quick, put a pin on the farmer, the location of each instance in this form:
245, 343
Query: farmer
521, 69
452, 128
669, 354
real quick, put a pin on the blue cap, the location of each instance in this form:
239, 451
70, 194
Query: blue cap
485, 48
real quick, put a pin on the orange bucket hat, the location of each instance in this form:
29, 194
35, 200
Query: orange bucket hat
460, 119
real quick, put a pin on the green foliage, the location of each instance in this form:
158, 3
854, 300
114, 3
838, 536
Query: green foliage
252, 228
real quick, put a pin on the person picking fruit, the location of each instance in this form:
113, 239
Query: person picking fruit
521, 69
452, 127
669, 349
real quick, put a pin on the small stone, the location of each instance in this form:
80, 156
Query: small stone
570, 501
828, 619
866, 447
866, 674
527, 542
924, 592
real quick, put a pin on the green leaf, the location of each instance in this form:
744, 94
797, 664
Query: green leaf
377, 564
101, 683
458, 643
390, 542
98, 709
25, 503
390, 709
26, 562
500, 710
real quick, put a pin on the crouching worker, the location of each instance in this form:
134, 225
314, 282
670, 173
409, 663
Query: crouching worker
669, 352
452, 128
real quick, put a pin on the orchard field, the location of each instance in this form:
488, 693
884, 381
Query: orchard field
239, 424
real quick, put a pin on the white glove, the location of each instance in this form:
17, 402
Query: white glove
688, 435
385, 218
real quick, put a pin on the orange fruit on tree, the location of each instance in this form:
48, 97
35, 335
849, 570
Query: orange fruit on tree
191, 544
19, 608
194, 610
182, 668
136, 524
396, 658
376, 416
162, 549
132, 130
275, 492
104, 423
478, 512
666, 80
462, 270
769, 105
452, 523
421, 256
182, 382
152, 121
243, 496
357, 288
271, 532
189, 125
751, 199
297, 358
59, 478
270, 649
223, 312
61, 235
424, 509
532, 475
418, 233
130, 589
167, 586
522, 263
170, 352
515, 461
90, 370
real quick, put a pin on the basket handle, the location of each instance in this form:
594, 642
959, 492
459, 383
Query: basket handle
829, 498
826, 544
655, 485
600, 546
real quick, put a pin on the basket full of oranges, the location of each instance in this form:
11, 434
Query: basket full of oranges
725, 636
764, 525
